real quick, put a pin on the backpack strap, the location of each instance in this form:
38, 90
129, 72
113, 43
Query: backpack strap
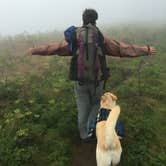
102, 58
81, 57
86, 43
73, 62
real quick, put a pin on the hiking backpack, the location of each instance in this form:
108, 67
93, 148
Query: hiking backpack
88, 63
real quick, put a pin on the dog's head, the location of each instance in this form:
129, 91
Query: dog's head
108, 100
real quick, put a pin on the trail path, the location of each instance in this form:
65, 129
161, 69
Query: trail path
84, 154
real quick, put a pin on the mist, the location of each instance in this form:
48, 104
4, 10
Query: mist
33, 16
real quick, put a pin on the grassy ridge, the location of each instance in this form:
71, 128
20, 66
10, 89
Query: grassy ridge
38, 121
142, 99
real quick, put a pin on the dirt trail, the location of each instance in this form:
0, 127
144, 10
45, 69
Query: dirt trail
84, 154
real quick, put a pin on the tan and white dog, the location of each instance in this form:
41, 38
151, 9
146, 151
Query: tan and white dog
108, 150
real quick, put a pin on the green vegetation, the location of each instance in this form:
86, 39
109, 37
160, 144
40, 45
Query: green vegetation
38, 115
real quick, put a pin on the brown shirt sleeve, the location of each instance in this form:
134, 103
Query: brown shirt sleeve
120, 49
56, 48
113, 48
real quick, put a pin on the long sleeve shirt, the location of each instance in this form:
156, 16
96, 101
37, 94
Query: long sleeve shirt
113, 48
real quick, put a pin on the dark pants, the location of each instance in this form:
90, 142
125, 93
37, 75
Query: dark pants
88, 103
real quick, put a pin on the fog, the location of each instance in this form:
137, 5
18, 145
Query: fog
17, 16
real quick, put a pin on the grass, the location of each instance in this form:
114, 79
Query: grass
38, 122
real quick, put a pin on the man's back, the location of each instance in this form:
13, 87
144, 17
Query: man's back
88, 54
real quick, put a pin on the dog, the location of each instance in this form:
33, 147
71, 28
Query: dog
108, 149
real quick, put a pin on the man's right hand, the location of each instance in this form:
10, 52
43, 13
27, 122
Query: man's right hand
29, 52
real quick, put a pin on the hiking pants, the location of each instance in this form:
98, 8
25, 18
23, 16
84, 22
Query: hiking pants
88, 103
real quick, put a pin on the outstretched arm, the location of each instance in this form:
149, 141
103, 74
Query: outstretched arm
120, 49
56, 48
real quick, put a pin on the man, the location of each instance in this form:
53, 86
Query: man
88, 93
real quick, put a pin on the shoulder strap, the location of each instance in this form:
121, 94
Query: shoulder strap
86, 45
74, 42
101, 41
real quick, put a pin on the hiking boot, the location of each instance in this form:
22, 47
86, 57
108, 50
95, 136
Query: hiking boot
89, 139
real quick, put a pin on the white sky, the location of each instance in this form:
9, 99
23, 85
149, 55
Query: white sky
32, 16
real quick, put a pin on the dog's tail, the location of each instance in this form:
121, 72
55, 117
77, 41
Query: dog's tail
110, 125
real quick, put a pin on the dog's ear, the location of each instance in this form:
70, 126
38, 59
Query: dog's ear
113, 96
103, 99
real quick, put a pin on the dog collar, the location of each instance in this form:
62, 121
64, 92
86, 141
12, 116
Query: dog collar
103, 114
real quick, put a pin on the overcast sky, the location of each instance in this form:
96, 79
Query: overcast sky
17, 16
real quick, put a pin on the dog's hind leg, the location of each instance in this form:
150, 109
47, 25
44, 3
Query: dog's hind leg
110, 126
103, 158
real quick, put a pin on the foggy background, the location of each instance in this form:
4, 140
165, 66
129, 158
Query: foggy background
17, 16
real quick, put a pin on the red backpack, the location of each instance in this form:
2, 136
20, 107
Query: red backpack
88, 63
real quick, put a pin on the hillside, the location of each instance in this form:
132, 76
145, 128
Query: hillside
38, 121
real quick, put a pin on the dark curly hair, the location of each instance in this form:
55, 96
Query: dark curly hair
89, 16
